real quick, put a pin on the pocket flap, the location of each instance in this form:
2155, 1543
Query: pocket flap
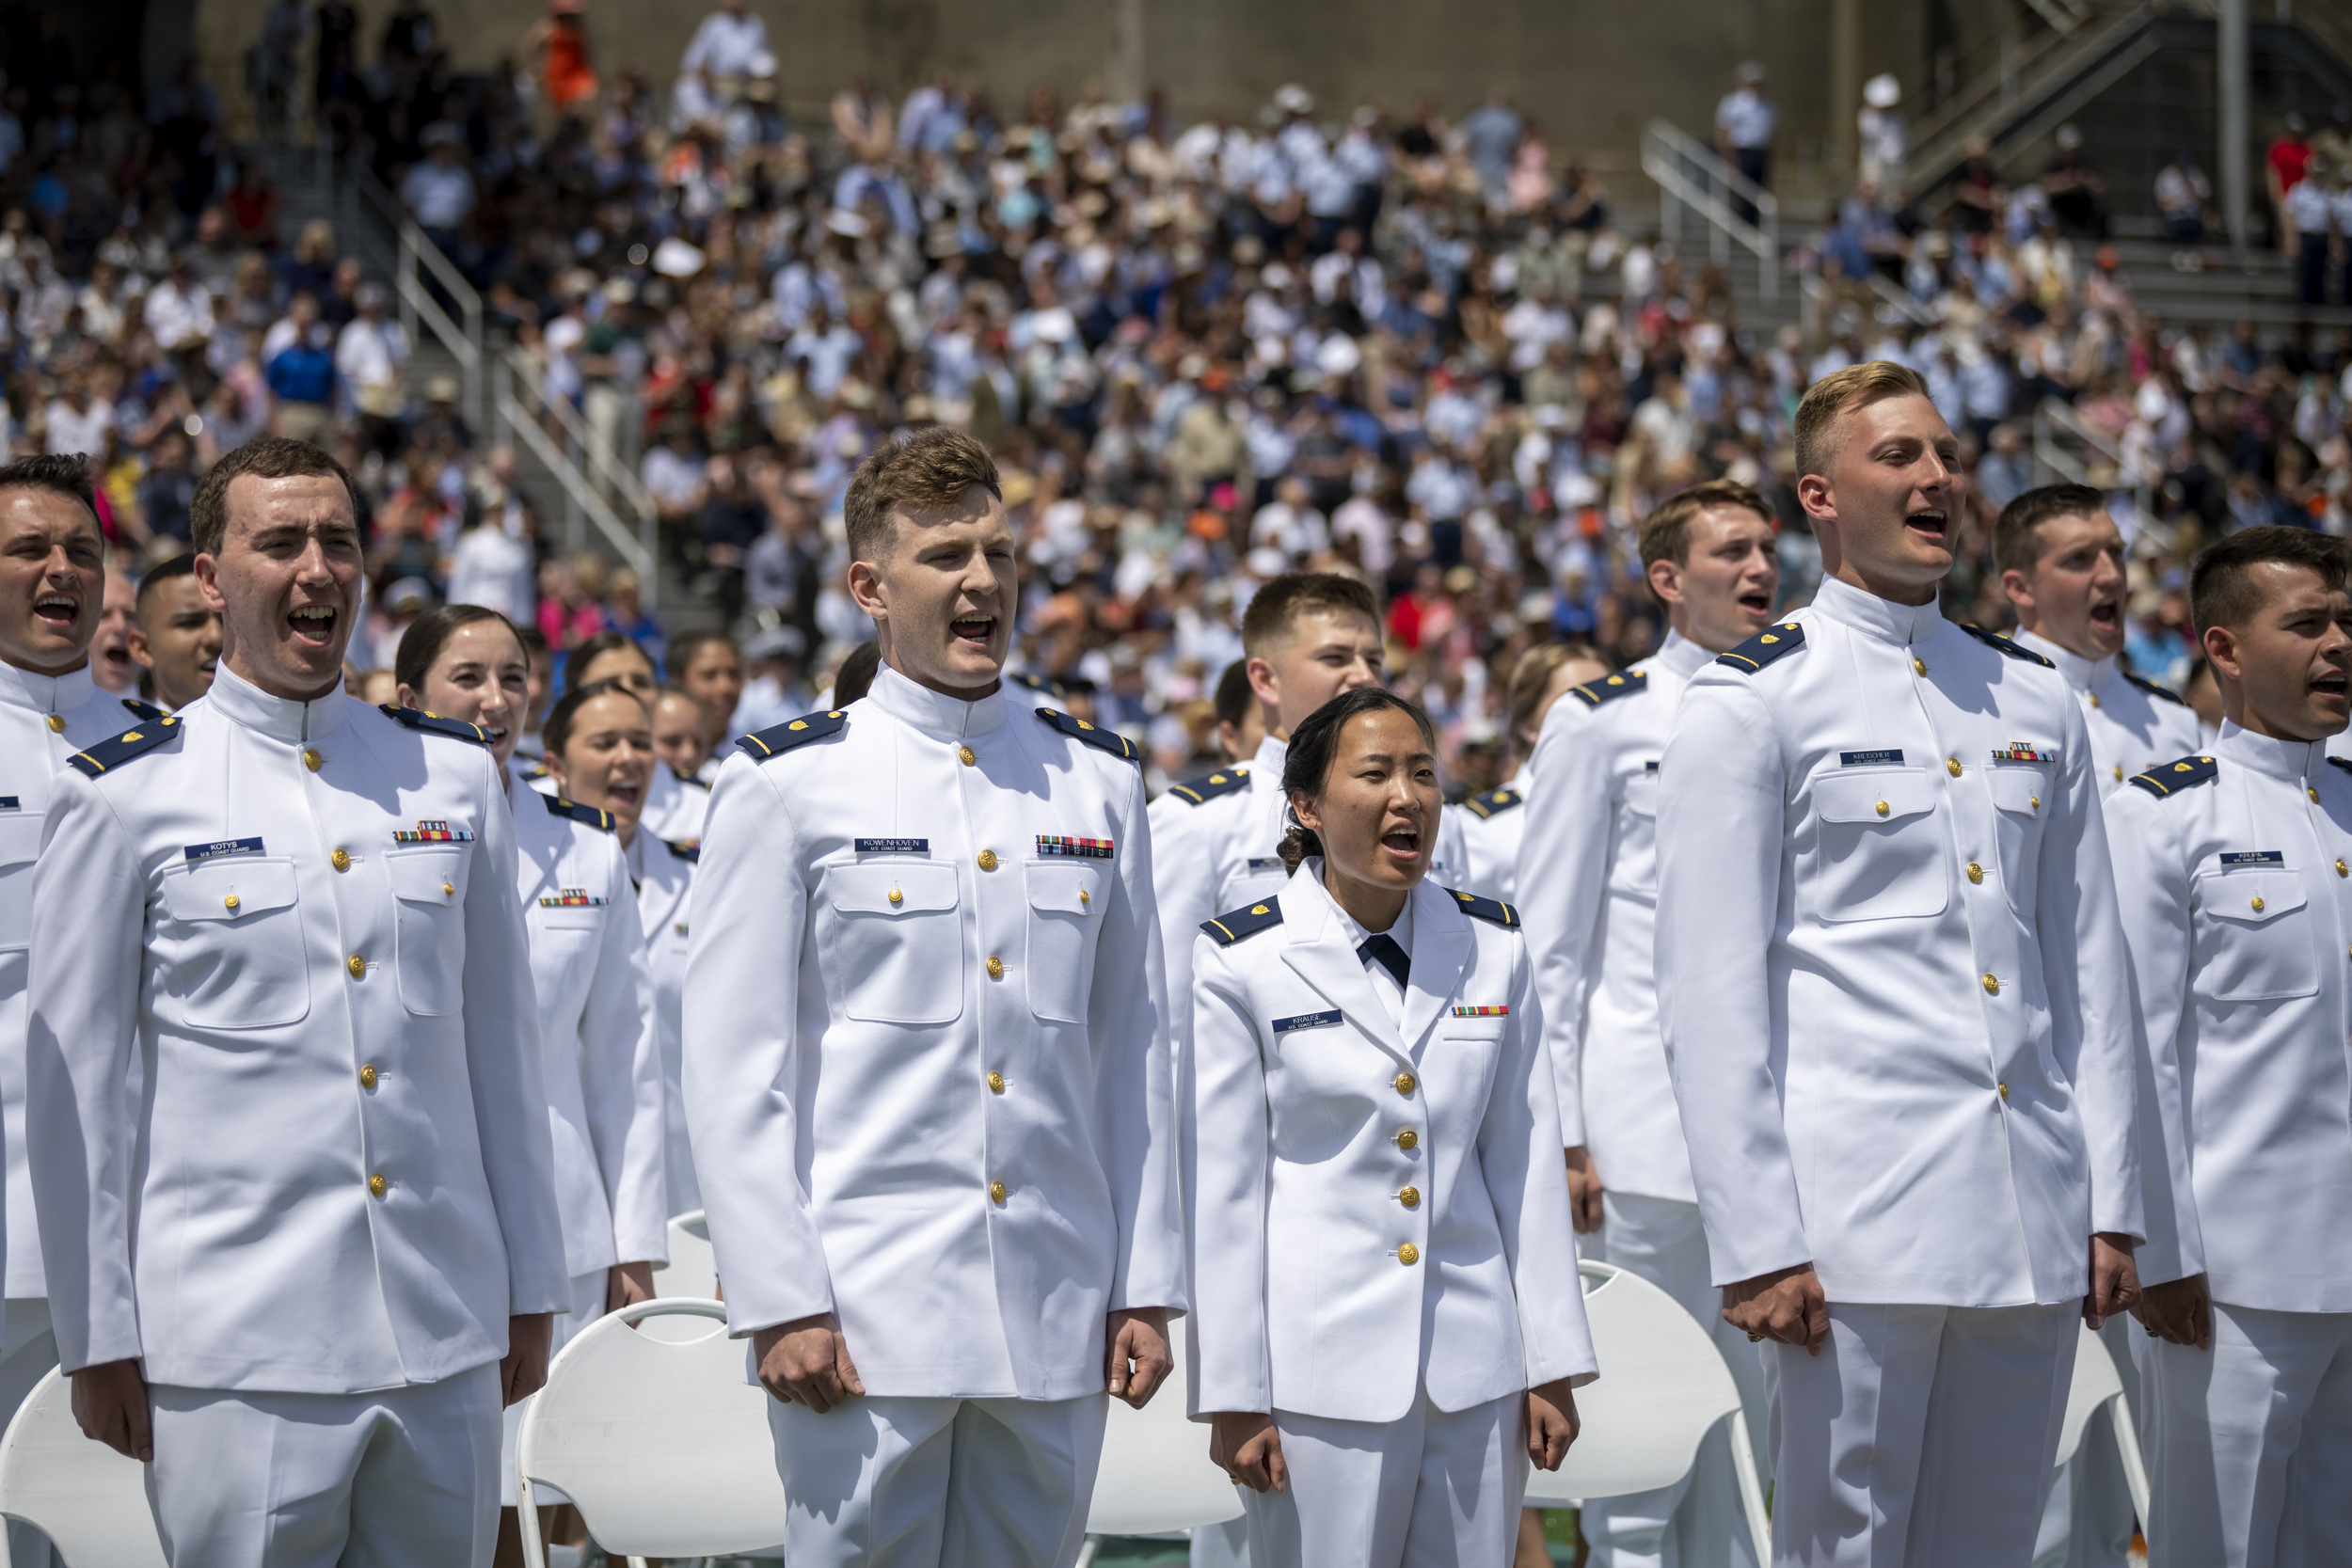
20, 837
906, 887
2253, 897
1873, 796
2021, 790
434, 876
1063, 887
229, 889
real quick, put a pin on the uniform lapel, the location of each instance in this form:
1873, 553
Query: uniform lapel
540, 851
1318, 949
1441, 945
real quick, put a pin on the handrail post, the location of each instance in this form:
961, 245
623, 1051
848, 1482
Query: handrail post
405, 284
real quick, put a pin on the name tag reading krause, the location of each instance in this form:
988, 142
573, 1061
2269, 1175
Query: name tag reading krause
1892, 757
571, 898
197, 854
433, 832
1306, 1021
891, 846
2025, 751
1500, 1010
2253, 856
1082, 848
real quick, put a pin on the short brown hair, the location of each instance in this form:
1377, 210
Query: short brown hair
1666, 532
1839, 393
933, 466
2016, 545
1531, 676
1286, 597
2221, 590
60, 474
265, 457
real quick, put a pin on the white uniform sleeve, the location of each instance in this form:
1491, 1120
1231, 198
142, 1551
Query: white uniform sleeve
2152, 895
1452, 852
1181, 895
1135, 1086
623, 1088
741, 1070
1720, 827
1563, 874
1234, 1371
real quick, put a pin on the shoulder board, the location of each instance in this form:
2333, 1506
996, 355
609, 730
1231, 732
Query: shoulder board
593, 815
2162, 693
1225, 781
1764, 647
1041, 685
2341, 762
148, 711
117, 749
1995, 641
2171, 777
1625, 683
1495, 910
688, 779
691, 851
536, 773
1093, 735
433, 723
1494, 800
1230, 929
779, 738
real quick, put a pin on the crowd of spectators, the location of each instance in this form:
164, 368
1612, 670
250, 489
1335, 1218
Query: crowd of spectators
1431, 351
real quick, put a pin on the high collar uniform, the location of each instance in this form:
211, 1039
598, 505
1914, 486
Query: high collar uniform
301, 917
43, 720
2134, 723
1490, 827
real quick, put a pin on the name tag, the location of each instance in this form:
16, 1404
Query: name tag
2021, 751
1651, 766
571, 898
1083, 848
1306, 1021
1870, 759
2253, 856
197, 854
1265, 862
891, 846
9, 803
433, 832
1497, 1010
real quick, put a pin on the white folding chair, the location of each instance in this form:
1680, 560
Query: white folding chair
692, 1272
1663, 1387
655, 1438
2096, 1385
1155, 1477
90, 1500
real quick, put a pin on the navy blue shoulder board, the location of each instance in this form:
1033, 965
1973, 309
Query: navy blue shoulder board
688, 779
121, 749
1044, 686
1625, 683
690, 851
1765, 646
1495, 910
147, 711
1199, 792
1093, 735
780, 739
1993, 640
1230, 929
593, 815
433, 723
2162, 693
2341, 762
2171, 777
1495, 800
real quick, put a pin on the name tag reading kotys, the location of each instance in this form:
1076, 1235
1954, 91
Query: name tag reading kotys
1306, 1021
197, 854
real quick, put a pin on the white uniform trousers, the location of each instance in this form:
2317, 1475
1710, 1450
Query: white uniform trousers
1697, 1523
1225, 1545
2088, 1521
1919, 1436
387, 1480
588, 1296
1433, 1490
2250, 1444
896, 1481
27, 1351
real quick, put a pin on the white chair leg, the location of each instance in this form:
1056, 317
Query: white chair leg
527, 1517
2135, 1462
1751, 1488
637, 1563
1085, 1552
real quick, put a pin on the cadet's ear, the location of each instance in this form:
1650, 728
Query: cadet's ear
865, 589
2220, 645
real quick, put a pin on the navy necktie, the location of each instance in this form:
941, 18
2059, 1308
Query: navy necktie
1382, 948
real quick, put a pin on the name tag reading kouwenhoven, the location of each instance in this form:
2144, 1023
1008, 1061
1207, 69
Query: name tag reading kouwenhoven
197, 854
891, 846
1870, 759
1306, 1021
2253, 856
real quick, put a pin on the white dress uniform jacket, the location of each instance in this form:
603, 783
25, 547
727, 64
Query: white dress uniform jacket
2134, 723
926, 1067
1896, 1010
663, 871
301, 917
1376, 1209
1588, 874
1493, 825
43, 720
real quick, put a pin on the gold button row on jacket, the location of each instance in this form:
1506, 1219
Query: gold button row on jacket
340, 860
965, 757
1405, 1082
995, 967
997, 1192
311, 760
1410, 1197
377, 1186
1951, 766
995, 1082
1992, 985
357, 965
1407, 1138
988, 859
367, 1076
1408, 1255
1975, 872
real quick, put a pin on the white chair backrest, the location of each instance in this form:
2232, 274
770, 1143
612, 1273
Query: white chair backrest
2095, 1383
1662, 1385
90, 1500
1156, 1475
692, 1272
657, 1439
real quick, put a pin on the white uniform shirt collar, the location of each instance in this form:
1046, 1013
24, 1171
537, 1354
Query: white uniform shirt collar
936, 713
1265, 769
1679, 657
1883, 619
2290, 761
243, 702
46, 695
2083, 674
1391, 994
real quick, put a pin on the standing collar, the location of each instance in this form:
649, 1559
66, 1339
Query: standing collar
2291, 761
1679, 657
1265, 769
46, 693
936, 713
244, 704
2083, 674
1400, 929
1883, 619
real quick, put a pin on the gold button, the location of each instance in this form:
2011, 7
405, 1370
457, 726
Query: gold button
367, 1076
311, 760
1085, 897
1410, 1197
1407, 1138
1992, 985
448, 891
357, 965
964, 755
2258, 905
57, 723
2118, 772
1882, 808
2312, 793
995, 967
2094, 699
1918, 667
1951, 766
897, 897
230, 902
995, 1082
2004, 1091
1408, 1255
2034, 801
988, 859
376, 1185
2342, 870
1405, 1082
997, 1192
1975, 872
340, 860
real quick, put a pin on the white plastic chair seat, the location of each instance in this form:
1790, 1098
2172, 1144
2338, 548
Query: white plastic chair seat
1156, 1476
692, 1270
90, 1500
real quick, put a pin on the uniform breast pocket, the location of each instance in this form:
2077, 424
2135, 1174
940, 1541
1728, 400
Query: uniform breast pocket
429, 938
2254, 940
1878, 855
896, 951
238, 952
20, 845
1065, 909
2021, 800
563, 941
1468, 1059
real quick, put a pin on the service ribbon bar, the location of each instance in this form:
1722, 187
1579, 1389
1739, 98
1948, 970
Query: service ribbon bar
1494, 1010
1085, 849
433, 832
2019, 751
571, 898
